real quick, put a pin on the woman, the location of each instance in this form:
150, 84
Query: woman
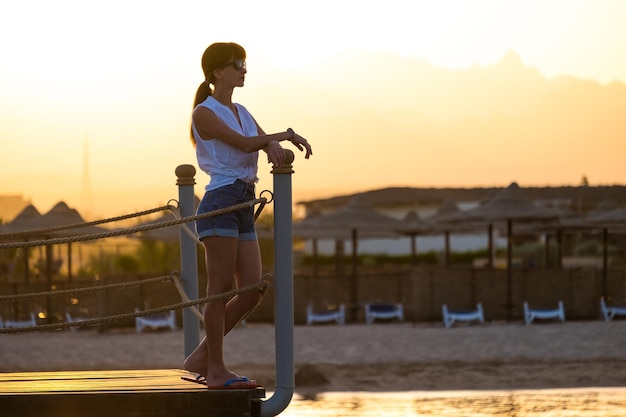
227, 140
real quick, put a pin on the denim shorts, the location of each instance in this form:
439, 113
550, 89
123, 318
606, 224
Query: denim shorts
238, 224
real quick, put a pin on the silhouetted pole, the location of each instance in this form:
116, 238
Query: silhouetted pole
49, 256
283, 290
339, 255
315, 258
447, 249
188, 255
559, 249
547, 250
509, 269
605, 261
354, 293
490, 246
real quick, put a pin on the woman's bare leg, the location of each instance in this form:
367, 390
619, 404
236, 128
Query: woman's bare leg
246, 271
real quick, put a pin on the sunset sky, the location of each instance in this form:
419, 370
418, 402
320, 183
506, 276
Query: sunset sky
112, 83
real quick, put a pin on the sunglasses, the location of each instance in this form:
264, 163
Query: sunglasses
238, 64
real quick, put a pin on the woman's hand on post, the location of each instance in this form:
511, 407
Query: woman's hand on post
301, 143
275, 153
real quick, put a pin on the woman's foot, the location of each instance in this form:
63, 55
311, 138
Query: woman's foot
232, 381
198, 361
194, 366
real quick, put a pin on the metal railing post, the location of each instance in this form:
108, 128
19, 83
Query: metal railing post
283, 290
188, 255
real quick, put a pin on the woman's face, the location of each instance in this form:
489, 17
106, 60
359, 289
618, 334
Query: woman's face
233, 72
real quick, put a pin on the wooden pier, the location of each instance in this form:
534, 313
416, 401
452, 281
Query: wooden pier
135, 393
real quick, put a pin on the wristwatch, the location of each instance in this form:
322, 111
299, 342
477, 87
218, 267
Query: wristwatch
292, 134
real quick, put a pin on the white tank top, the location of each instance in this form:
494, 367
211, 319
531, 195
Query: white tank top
222, 162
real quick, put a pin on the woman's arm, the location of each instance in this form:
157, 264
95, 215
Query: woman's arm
209, 125
275, 153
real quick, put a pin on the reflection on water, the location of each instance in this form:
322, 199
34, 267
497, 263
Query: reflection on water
609, 402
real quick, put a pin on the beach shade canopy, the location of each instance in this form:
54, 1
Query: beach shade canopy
605, 207
610, 219
602, 216
446, 212
23, 221
62, 215
509, 204
309, 228
413, 224
31, 226
356, 220
449, 218
29, 223
358, 215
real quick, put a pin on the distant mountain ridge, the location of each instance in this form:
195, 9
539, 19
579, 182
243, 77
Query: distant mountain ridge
583, 198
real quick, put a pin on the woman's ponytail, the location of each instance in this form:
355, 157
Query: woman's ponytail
204, 91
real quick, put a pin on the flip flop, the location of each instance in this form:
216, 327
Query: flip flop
198, 379
229, 384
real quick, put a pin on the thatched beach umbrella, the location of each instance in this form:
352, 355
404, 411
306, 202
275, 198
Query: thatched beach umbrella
23, 220
60, 221
443, 221
357, 219
608, 219
61, 217
414, 225
509, 205
307, 229
30, 224
449, 219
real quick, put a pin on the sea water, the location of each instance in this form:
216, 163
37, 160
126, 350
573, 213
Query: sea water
578, 402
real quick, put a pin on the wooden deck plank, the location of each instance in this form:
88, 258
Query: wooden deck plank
95, 381
137, 393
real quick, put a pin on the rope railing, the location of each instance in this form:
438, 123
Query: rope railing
173, 277
42, 231
131, 230
85, 290
183, 295
260, 286
185, 227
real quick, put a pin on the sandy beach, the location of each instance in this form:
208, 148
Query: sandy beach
359, 357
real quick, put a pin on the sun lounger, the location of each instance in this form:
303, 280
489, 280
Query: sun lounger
609, 312
449, 317
531, 314
156, 321
385, 311
328, 315
8, 324
71, 319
